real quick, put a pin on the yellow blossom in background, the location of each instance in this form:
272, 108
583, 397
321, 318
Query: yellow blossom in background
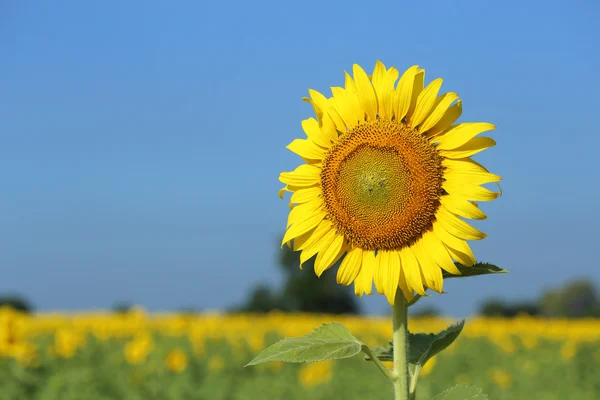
314, 374
568, 350
529, 366
216, 364
176, 360
67, 341
26, 354
501, 378
256, 342
530, 342
428, 367
137, 350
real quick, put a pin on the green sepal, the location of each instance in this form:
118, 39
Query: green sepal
462, 393
327, 342
480, 268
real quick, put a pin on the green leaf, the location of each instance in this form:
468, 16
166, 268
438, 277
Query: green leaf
462, 393
382, 353
422, 346
327, 342
475, 270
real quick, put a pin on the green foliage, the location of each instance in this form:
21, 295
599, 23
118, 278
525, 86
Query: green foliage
328, 342
462, 393
16, 302
480, 268
302, 291
422, 346
577, 299
500, 308
99, 371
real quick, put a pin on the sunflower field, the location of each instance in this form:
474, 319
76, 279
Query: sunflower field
136, 355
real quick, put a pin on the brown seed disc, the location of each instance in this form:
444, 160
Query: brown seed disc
381, 185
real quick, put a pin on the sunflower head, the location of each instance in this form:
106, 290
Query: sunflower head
386, 183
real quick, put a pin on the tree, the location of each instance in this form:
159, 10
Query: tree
576, 299
16, 302
302, 291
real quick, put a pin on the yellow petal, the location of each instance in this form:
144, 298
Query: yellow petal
418, 84
403, 95
304, 175
364, 281
323, 138
438, 253
306, 148
383, 83
470, 148
365, 92
408, 293
305, 195
411, 269
425, 102
431, 272
471, 177
328, 257
304, 211
461, 134
318, 246
304, 226
463, 165
320, 231
389, 274
380, 270
347, 107
450, 116
439, 109
458, 248
350, 267
318, 101
457, 226
470, 191
463, 207
282, 191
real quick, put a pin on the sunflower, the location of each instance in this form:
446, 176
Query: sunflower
386, 179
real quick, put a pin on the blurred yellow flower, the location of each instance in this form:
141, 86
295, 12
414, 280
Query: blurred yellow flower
26, 354
314, 374
177, 360
428, 367
501, 378
137, 350
568, 350
216, 364
67, 341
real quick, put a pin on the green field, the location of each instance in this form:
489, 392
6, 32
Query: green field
99, 369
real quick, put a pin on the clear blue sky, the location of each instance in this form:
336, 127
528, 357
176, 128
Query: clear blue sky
141, 141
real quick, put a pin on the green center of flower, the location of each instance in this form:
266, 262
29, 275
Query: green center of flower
377, 182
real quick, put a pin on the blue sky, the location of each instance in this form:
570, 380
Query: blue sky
141, 142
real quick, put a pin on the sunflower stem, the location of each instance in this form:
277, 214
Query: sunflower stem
400, 341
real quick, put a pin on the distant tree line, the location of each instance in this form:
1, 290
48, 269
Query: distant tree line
303, 291
576, 299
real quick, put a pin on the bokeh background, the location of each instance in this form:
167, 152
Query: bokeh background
141, 142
